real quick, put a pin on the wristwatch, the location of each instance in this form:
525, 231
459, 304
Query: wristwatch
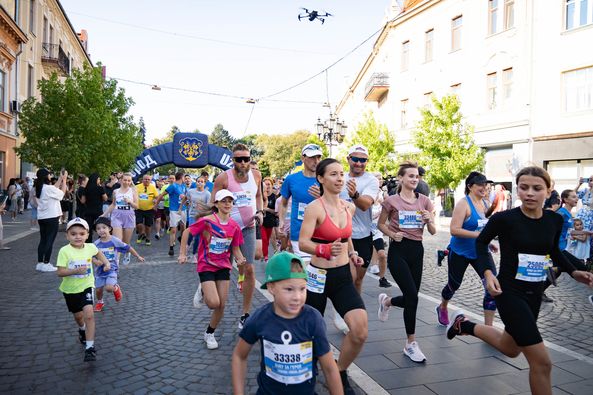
355, 196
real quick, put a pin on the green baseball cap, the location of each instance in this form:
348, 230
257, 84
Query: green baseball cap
278, 268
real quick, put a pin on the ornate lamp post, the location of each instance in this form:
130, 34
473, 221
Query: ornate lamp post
331, 131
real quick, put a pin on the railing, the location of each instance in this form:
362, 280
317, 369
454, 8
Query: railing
55, 54
377, 80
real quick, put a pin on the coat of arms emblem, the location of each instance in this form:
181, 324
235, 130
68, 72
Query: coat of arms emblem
190, 148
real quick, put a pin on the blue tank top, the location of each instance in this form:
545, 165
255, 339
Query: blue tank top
464, 246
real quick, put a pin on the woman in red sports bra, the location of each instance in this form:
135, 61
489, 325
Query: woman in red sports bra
326, 235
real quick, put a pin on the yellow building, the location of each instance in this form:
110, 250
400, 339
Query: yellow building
40, 40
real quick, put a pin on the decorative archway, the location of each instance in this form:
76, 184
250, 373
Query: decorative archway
188, 150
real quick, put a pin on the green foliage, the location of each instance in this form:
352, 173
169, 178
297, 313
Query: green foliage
280, 152
81, 124
255, 149
380, 143
169, 168
446, 144
221, 137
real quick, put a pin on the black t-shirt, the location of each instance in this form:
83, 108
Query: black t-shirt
109, 191
271, 220
94, 200
519, 234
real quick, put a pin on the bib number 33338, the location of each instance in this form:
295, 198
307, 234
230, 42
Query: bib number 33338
288, 363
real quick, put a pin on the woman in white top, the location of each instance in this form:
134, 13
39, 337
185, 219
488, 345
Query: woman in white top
48, 212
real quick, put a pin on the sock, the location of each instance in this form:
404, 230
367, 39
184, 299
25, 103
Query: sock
82, 328
210, 329
244, 316
89, 344
467, 327
344, 377
100, 301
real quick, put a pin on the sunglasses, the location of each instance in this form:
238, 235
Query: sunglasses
358, 160
243, 159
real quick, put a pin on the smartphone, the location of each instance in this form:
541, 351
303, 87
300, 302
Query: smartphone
584, 179
62, 171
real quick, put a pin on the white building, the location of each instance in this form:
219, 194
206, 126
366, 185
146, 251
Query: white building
523, 70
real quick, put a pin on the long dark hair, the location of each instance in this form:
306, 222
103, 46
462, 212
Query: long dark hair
41, 180
565, 193
91, 184
320, 171
469, 180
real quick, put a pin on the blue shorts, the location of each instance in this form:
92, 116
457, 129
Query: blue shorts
100, 282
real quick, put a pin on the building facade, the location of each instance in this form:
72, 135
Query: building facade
521, 69
49, 44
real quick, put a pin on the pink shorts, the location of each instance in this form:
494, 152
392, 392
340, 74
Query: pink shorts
124, 219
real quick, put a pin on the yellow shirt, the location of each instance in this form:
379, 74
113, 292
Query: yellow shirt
146, 196
72, 258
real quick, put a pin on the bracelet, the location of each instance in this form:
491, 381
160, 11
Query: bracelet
323, 251
352, 253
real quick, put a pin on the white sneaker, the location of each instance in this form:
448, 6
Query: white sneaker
412, 351
48, 267
198, 297
374, 269
340, 324
383, 312
211, 342
40, 267
126, 260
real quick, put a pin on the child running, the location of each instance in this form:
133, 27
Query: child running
110, 246
75, 267
292, 335
219, 234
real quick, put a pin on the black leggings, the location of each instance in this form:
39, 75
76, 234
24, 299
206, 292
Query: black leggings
404, 260
48, 230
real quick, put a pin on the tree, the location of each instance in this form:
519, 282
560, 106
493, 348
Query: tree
81, 124
380, 143
282, 151
142, 127
446, 144
250, 141
221, 137
169, 168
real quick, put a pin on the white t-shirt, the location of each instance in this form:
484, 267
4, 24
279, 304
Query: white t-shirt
366, 185
48, 204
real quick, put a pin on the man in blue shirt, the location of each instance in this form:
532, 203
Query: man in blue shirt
176, 192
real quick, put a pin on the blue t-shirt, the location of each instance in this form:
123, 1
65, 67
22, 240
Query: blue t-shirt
175, 190
110, 249
566, 225
209, 185
289, 349
297, 186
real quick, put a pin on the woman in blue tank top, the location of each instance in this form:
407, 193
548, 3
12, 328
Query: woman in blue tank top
468, 220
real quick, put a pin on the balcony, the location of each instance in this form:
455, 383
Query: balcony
376, 87
54, 59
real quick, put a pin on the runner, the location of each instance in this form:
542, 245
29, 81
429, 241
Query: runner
379, 253
123, 219
244, 183
176, 191
270, 219
408, 213
194, 198
360, 188
147, 194
326, 232
469, 218
218, 235
528, 236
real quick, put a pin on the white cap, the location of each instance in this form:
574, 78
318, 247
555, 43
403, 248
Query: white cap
222, 194
358, 148
77, 221
311, 150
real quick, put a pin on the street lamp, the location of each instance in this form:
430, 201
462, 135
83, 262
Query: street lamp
331, 131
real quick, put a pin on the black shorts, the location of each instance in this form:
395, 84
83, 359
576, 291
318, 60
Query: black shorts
364, 248
145, 217
339, 288
519, 311
76, 302
219, 275
379, 244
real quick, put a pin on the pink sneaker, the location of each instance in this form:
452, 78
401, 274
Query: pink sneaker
442, 315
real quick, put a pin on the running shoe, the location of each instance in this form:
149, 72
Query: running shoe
147, 242
171, 253
40, 266
168, 231
240, 280
140, 239
590, 297
126, 260
546, 299
157, 236
90, 354
340, 324
412, 351
383, 283
442, 315
48, 267
82, 336
210, 340
117, 293
454, 328
99, 306
242, 320
383, 312
374, 269
198, 297
440, 256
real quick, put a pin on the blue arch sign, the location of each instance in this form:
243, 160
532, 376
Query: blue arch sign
188, 150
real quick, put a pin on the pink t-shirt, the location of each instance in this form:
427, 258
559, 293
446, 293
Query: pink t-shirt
216, 240
405, 217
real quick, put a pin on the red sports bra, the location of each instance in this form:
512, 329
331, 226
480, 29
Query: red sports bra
328, 232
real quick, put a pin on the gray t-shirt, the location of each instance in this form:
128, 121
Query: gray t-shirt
194, 196
366, 185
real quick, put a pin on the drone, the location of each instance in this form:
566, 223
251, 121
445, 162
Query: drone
312, 15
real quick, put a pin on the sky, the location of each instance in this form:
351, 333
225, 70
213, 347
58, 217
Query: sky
246, 49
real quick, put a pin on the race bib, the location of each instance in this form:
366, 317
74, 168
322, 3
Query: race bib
121, 203
301, 211
481, 224
532, 268
109, 253
316, 279
81, 263
143, 196
410, 220
242, 198
219, 245
288, 363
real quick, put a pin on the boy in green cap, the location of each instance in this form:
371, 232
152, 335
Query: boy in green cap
293, 336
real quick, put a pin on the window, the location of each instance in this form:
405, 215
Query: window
2, 91
507, 83
403, 113
427, 99
491, 90
509, 14
30, 82
578, 89
45, 27
405, 55
428, 36
456, 33
32, 16
492, 16
578, 13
